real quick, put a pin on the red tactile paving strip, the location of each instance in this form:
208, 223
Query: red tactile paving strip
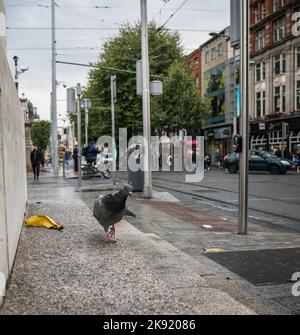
194, 216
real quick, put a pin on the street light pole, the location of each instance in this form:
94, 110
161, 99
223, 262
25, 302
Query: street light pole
113, 130
234, 96
244, 119
146, 101
86, 121
16, 59
79, 94
54, 97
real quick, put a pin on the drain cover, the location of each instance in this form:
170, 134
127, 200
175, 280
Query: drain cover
261, 267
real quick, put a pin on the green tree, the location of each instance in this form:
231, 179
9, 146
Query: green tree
40, 134
122, 52
181, 105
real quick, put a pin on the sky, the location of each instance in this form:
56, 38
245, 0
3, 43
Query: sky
75, 44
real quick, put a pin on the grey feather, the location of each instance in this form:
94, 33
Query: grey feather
111, 209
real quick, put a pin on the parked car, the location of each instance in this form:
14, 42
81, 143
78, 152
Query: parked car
259, 161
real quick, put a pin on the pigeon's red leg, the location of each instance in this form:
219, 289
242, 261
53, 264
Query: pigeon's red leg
113, 231
109, 239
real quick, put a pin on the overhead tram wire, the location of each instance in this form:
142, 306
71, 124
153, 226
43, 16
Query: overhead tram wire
35, 4
97, 28
115, 70
171, 16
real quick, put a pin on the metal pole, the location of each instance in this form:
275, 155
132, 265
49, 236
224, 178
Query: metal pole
113, 130
234, 97
16, 76
244, 119
54, 102
51, 119
146, 101
86, 120
79, 92
73, 135
64, 166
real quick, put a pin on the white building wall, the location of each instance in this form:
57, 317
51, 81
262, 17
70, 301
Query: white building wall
13, 188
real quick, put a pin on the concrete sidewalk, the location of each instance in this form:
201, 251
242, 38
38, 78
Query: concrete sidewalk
76, 272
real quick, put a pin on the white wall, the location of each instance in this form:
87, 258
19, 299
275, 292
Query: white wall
2, 24
13, 187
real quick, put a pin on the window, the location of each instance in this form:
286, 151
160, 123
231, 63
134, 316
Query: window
283, 99
264, 103
263, 71
260, 39
298, 57
260, 104
214, 53
279, 29
207, 57
263, 9
298, 95
260, 71
279, 99
220, 49
279, 64
278, 4
255, 14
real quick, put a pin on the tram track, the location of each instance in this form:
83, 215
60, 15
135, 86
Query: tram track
223, 202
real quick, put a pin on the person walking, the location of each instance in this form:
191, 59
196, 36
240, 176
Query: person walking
75, 157
36, 159
67, 158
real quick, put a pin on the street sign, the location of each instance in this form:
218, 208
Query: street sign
71, 104
86, 103
235, 23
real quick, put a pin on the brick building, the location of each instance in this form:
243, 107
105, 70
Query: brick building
275, 75
194, 61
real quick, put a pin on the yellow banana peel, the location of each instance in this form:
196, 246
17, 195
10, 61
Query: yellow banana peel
42, 221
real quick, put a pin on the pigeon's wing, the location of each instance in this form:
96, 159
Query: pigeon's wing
115, 202
98, 210
103, 216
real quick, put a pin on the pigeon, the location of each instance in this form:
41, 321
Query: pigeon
110, 209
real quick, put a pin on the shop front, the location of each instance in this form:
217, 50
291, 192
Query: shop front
279, 135
218, 142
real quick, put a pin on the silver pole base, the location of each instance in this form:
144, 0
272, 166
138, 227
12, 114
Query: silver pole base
148, 191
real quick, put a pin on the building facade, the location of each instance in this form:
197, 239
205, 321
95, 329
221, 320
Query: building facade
218, 73
194, 61
275, 75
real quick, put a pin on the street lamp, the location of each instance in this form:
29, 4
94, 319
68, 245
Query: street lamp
18, 72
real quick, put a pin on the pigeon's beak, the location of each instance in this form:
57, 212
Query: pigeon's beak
131, 194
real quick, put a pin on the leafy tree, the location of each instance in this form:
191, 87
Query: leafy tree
179, 107
122, 52
40, 134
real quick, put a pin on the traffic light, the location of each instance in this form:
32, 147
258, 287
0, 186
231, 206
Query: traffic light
238, 143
